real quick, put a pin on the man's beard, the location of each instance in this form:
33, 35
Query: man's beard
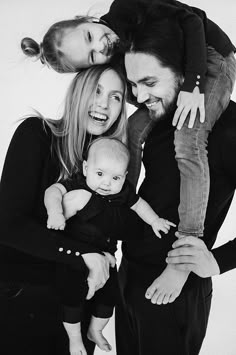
169, 106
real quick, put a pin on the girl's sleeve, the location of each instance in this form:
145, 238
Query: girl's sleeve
192, 25
20, 195
195, 48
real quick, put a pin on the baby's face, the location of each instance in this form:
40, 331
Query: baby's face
104, 174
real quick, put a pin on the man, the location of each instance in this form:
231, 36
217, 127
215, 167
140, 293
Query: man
145, 327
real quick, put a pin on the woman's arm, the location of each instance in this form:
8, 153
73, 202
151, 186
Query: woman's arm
22, 188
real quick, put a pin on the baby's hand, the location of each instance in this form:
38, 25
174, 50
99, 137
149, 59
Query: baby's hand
189, 102
161, 224
56, 221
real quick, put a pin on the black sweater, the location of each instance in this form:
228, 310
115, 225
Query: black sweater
161, 188
125, 15
29, 252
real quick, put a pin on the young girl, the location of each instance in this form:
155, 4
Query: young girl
207, 51
99, 204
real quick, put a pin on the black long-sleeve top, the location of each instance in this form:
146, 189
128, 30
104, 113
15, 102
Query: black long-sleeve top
125, 15
161, 188
29, 252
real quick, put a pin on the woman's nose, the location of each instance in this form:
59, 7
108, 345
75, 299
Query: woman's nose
102, 101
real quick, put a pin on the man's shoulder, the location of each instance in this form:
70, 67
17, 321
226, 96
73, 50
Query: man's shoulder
226, 125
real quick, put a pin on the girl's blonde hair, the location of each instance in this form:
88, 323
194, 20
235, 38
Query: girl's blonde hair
69, 133
48, 51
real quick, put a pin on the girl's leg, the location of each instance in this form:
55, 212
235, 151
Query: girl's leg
191, 144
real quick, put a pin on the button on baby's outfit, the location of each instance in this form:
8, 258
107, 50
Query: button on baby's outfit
60, 250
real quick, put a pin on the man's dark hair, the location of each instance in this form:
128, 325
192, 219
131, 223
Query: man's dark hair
162, 39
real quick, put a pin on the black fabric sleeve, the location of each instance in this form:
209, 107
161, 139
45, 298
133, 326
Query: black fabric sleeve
20, 188
225, 138
195, 49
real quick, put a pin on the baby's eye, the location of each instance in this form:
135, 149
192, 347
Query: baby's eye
99, 173
116, 178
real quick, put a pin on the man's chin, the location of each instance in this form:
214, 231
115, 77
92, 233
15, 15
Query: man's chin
156, 115
162, 112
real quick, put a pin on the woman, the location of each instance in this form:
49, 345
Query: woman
40, 152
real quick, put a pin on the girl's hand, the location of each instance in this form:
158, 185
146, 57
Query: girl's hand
98, 266
189, 102
161, 224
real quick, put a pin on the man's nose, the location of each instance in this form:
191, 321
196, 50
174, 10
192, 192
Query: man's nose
142, 95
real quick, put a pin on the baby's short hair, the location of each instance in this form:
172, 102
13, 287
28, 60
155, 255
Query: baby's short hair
113, 147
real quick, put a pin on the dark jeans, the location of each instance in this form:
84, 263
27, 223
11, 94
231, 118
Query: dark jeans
177, 328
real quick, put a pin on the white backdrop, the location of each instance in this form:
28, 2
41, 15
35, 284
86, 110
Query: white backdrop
25, 84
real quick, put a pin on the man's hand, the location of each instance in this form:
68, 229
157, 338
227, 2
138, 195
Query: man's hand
189, 102
191, 254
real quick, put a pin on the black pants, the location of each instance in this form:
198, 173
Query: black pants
30, 323
177, 328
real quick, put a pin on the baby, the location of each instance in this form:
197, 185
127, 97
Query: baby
97, 206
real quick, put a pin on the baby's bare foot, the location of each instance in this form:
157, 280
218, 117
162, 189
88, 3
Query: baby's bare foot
167, 287
75, 339
95, 333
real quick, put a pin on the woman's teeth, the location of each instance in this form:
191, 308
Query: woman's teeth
98, 116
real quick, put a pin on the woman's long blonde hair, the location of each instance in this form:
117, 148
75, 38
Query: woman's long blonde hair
69, 133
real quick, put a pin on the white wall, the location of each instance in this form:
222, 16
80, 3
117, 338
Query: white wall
25, 84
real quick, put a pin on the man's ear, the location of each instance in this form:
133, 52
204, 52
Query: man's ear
85, 166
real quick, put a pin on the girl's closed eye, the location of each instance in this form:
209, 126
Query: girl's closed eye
89, 36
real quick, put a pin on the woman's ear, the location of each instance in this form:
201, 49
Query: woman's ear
85, 165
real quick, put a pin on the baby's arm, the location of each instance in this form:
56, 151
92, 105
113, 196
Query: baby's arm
74, 201
148, 215
53, 202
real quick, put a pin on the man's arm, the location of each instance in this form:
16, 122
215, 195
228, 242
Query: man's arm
191, 254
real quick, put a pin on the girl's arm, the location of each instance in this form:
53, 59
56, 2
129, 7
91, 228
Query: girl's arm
191, 21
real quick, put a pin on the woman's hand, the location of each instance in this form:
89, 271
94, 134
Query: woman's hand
98, 266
